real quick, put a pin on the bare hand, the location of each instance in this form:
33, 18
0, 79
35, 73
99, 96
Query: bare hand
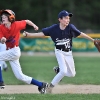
36, 28
25, 34
3, 40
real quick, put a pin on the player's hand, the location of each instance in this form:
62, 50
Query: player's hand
3, 40
36, 27
25, 34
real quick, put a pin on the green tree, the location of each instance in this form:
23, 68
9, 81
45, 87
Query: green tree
45, 12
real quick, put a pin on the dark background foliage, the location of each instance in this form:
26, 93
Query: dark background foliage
45, 12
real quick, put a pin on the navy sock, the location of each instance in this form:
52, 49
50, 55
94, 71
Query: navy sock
37, 83
1, 79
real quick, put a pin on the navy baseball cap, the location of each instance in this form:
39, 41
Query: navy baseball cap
64, 13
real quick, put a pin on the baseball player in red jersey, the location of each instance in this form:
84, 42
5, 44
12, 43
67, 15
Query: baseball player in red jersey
62, 35
10, 35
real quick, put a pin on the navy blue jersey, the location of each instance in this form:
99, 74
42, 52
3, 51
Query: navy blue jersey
62, 38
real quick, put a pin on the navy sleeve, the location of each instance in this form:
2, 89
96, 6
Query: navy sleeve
49, 30
46, 31
75, 32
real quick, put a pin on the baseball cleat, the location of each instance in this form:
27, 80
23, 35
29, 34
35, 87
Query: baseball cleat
42, 89
2, 86
49, 89
56, 69
5, 69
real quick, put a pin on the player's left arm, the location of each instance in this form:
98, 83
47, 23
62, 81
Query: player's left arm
86, 36
32, 24
96, 41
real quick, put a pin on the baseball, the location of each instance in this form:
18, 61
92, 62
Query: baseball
3, 40
24, 34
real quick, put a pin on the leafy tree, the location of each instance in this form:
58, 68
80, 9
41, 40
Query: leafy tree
45, 12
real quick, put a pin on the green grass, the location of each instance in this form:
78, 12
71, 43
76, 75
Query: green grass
40, 67
50, 97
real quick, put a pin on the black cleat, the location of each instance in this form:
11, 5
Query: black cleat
56, 70
2, 86
42, 89
5, 69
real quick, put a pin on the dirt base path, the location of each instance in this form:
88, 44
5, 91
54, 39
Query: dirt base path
59, 89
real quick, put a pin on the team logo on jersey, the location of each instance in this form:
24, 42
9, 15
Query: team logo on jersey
65, 42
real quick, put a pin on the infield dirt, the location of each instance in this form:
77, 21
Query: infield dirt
59, 89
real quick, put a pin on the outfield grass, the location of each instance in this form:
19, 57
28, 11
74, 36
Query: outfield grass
41, 68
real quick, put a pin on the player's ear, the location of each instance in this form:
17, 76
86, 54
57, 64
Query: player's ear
59, 19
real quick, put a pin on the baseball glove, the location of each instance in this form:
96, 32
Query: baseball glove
97, 44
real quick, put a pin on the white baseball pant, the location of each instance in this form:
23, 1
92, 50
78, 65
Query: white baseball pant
3, 63
66, 65
12, 55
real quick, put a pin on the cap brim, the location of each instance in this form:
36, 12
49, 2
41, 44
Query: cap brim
3, 11
70, 14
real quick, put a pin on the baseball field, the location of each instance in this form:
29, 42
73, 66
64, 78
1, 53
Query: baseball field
84, 86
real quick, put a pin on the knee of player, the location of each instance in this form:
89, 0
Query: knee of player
19, 77
73, 75
63, 72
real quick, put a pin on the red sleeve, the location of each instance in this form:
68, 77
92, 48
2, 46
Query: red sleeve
1, 34
21, 24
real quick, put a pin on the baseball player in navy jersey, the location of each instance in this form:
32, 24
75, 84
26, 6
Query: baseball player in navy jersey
62, 35
10, 35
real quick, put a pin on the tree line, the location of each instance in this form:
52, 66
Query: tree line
43, 13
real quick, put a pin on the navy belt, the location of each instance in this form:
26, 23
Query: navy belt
63, 49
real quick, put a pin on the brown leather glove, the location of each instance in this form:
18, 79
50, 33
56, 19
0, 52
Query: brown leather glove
97, 44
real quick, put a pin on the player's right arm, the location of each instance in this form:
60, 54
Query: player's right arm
2, 38
33, 35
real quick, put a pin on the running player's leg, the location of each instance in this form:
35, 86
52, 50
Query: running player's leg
3, 63
70, 65
13, 55
5, 67
15, 65
3, 57
6, 56
62, 66
62, 72
1, 79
